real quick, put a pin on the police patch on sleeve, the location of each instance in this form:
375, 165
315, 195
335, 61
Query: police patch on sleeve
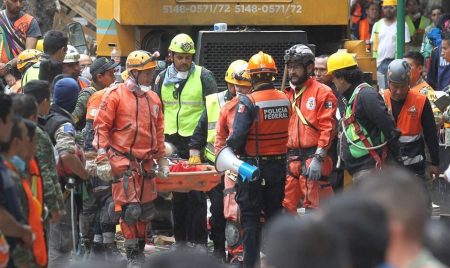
241, 108
69, 129
274, 113
328, 105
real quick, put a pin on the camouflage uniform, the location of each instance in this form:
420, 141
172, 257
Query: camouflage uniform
60, 237
53, 197
79, 114
20, 255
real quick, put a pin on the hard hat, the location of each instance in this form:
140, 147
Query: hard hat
389, 3
237, 73
340, 60
72, 55
182, 43
399, 72
141, 60
300, 53
40, 45
124, 75
27, 56
261, 63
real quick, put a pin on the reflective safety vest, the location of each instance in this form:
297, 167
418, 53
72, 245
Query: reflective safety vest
214, 104
30, 74
410, 125
268, 134
357, 133
35, 204
417, 34
182, 111
13, 38
93, 104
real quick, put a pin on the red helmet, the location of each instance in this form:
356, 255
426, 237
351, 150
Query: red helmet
261, 63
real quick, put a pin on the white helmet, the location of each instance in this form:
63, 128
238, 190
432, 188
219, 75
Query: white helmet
72, 55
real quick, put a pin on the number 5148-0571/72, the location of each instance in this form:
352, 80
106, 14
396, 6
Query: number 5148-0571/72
238, 9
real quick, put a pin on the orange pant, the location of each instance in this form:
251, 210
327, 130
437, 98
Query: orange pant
137, 230
299, 187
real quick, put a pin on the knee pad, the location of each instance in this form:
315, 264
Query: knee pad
233, 233
148, 212
131, 213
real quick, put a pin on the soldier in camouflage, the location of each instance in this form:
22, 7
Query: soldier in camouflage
60, 127
94, 216
182, 88
20, 255
53, 197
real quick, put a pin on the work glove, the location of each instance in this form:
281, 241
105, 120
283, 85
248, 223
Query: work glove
91, 167
104, 168
163, 168
314, 171
194, 157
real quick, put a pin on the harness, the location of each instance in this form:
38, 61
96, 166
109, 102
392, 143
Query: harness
351, 121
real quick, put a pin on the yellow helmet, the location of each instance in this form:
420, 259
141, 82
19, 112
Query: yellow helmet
27, 56
141, 60
237, 73
182, 43
389, 3
340, 60
40, 45
124, 75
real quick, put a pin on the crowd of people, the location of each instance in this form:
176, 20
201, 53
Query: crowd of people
81, 148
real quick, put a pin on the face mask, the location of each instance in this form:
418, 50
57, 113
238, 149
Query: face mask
131, 84
145, 88
182, 75
18, 163
86, 73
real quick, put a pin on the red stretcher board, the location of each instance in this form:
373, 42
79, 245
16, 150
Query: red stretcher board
203, 180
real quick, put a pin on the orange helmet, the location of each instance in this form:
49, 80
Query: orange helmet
261, 63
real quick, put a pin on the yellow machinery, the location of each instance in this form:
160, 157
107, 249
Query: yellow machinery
150, 24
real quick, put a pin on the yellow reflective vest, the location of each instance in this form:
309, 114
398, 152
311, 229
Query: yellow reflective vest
182, 111
214, 103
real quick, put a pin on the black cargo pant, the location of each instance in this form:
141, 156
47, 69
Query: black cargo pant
265, 194
188, 209
217, 220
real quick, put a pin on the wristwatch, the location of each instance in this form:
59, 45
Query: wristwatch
8, 67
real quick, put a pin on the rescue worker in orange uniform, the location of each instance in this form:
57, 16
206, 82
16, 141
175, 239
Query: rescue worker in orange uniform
129, 137
414, 118
311, 132
239, 79
94, 216
260, 133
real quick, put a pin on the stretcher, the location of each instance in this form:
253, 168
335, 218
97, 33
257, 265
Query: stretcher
204, 178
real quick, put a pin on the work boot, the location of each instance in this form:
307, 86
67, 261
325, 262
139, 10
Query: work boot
113, 254
85, 247
141, 250
133, 260
97, 252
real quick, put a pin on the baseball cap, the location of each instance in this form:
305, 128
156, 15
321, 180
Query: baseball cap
101, 65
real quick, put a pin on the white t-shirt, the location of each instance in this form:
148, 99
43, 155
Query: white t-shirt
387, 35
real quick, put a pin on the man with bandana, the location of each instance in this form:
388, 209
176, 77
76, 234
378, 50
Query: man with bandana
182, 88
311, 132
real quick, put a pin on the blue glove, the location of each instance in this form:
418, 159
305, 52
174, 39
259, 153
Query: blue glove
435, 36
314, 171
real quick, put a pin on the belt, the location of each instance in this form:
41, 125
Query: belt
302, 152
128, 155
264, 158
